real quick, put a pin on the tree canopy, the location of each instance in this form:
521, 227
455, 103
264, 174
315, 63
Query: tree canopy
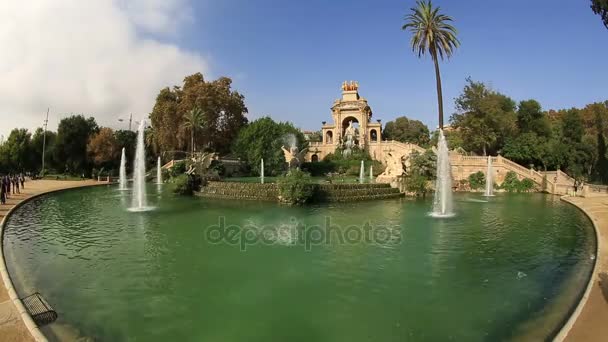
263, 138
600, 7
223, 114
407, 131
486, 117
73, 136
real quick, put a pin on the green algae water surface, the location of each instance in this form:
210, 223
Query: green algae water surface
508, 267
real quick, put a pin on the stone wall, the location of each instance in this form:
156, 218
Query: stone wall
322, 192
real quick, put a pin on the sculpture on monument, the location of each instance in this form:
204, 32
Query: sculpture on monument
349, 139
293, 157
394, 166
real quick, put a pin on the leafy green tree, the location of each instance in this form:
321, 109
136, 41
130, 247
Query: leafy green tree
421, 172
531, 118
485, 117
600, 7
38, 143
525, 149
15, 153
103, 149
223, 114
407, 131
193, 121
128, 140
477, 180
432, 33
572, 126
73, 136
263, 138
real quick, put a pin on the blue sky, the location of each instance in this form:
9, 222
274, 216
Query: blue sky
289, 58
110, 58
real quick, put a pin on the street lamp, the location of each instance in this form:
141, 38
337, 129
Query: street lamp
130, 120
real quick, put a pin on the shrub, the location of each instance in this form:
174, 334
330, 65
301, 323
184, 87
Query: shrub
295, 187
218, 168
511, 182
320, 168
178, 169
477, 180
416, 184
185, 185
526, 184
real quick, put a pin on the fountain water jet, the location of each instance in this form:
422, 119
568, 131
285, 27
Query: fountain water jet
159, 175
489, 180
371, 173
262, 171
362, 173
139, 202
442, 204
122, 183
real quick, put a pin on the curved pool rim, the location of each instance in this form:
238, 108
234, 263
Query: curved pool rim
37, 335
27, 320
576, 311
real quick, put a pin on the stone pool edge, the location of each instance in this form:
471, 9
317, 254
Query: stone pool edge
29, 323
567, 327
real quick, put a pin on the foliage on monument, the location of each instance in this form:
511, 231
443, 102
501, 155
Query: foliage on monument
512, 184
485, 117
73, 134
424, 164
262, 139
223, 114
103, 149
185, 185
316, 136
320, 168
432, 33
600, 7
178, 169
351, 164
421, 173
407, 131
295, 187
477, 180
217, 168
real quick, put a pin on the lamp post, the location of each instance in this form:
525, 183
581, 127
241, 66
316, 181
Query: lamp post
46, 122
130, 120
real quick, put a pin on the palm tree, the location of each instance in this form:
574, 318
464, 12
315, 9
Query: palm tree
193, 121
432, 33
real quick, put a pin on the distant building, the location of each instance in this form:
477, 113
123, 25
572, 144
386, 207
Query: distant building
351, 116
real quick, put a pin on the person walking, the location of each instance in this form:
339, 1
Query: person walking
22, 179
15, 185
2, 191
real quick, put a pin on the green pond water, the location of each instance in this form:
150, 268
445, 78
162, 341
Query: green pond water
511, 268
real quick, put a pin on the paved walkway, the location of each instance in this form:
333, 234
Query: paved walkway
12, 326
592, 321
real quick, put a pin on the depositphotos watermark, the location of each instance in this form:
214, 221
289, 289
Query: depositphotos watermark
297, 233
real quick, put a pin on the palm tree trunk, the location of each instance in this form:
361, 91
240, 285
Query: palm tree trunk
439, 92
192, 140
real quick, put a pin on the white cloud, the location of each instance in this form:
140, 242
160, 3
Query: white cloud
88, 57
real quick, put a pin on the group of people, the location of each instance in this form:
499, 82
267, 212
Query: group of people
8, 183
